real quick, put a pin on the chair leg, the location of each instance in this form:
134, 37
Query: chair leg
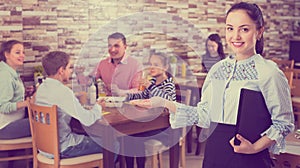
182, 156
198, 146
189, 139
28, 160
160, 160
154, 161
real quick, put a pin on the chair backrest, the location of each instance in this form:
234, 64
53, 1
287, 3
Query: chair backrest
287, 160
284, 64
183, 96
44, 130
295, 89
289, 75
287, 67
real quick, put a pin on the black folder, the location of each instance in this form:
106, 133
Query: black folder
253, 116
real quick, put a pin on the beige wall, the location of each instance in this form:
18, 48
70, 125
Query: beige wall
179, 27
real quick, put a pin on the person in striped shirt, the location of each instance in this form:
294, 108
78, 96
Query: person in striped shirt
161, 84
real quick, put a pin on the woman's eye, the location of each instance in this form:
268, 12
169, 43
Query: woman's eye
229, 28
245, 29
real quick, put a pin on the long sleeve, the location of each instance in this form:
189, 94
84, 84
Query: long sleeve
277, 96
166, 90
7, 104
52, 92
187, 115
12, 89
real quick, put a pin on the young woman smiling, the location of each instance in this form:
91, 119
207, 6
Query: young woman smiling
218, 108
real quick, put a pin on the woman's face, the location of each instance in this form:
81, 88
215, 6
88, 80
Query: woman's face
212, 48
157, 67
241, 34
15, 57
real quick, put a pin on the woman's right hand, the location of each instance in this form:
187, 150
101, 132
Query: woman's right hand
153, 102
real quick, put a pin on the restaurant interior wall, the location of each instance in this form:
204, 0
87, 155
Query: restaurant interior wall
179, 27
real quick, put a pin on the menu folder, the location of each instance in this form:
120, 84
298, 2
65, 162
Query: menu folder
253, 116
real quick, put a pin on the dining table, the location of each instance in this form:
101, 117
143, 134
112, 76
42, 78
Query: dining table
126, 120
291, 156
293, 144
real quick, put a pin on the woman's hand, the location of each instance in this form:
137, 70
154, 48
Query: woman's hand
245, 147
153, 102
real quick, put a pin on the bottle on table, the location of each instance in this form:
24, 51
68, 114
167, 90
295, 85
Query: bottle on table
92, 93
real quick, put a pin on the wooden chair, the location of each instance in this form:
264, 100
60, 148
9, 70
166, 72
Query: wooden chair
44, 130
289, 75
284, 64
156, 147
17, 144
287, 67
286, 160
295, 92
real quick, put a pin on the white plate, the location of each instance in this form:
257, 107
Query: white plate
200, 74
111, 99
114, 104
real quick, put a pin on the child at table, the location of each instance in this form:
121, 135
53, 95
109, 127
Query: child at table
161, 84
53, 91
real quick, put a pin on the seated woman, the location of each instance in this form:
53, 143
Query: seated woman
13, 123
214, 53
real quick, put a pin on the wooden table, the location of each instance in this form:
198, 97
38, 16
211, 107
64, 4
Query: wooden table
292, 144
290, 158
128, 120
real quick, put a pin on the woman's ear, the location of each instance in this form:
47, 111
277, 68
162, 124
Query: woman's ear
260, 33
6, 54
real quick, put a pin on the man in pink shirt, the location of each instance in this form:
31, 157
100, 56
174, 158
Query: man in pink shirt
119, 68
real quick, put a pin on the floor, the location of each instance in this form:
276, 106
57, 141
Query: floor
192, 161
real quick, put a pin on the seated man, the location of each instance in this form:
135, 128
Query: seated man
53, 92
119, 68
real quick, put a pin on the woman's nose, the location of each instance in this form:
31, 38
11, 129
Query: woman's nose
236, 35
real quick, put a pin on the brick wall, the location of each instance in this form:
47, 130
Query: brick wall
179, 27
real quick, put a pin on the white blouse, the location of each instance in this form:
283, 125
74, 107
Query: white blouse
220, 97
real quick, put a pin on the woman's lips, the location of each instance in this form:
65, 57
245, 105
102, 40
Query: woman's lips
237, 44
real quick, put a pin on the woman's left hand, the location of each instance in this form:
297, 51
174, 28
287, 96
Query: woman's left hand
245, 147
